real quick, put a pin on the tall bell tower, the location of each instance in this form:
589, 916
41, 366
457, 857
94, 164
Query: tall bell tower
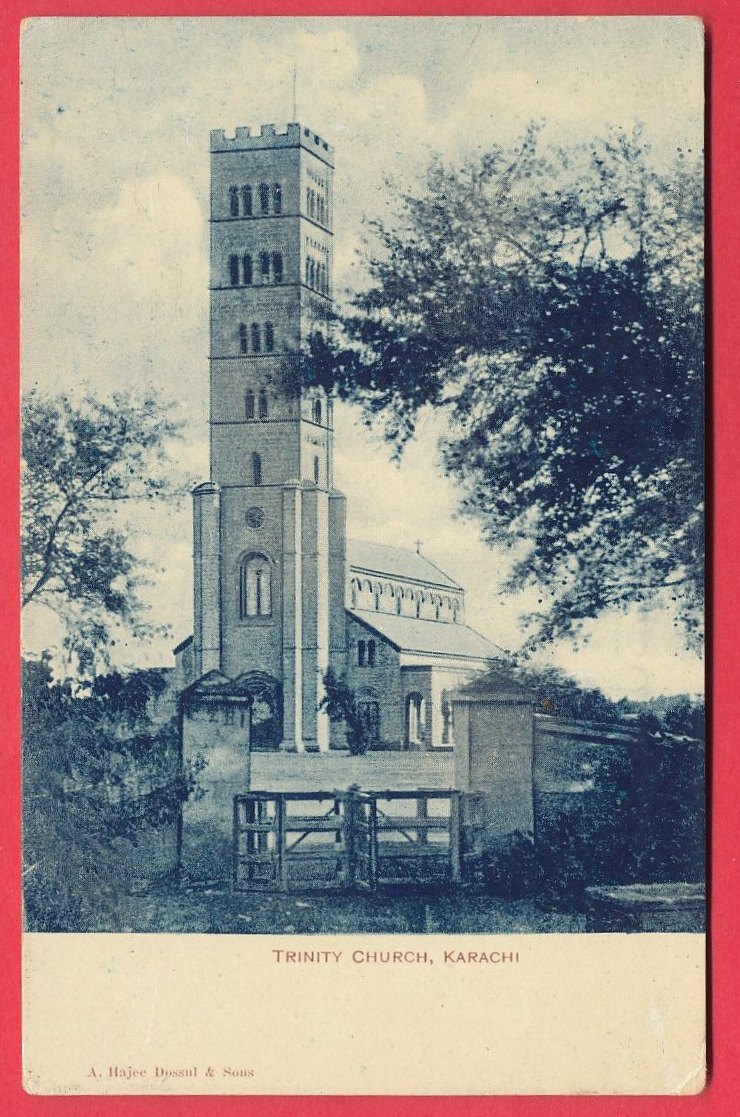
269, 529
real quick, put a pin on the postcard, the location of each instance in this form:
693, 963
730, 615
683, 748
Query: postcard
363, 565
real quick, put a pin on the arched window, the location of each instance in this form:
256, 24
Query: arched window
399, 601
247, 201
353, 593
317, 411
360, 653
234, 200
263, 404
311, 273
316, 470
256, 469
277, 198
277, 267
371, 653
269, 337
255, 588
264, 197
418, 607
308, 271
249, 404
248, 273
256, 341
310, 201
242, 338
234, 270
448, 728
377, 597
265, 266
415, 719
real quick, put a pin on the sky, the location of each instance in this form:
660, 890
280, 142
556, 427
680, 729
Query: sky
116, 115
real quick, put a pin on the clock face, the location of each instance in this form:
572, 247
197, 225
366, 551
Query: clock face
255, 517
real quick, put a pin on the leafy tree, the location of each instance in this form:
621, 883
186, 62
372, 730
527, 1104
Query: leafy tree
341, 705
549, 303
81, 461
101, 771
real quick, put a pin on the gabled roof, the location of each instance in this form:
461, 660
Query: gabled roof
407, 634
396, 562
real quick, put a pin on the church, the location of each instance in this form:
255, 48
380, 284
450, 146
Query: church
280, 594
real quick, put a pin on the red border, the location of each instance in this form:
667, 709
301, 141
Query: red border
720, 1097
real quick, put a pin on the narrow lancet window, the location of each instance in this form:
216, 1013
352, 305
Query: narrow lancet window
264, 197
317, 411
277, 267
247, 265
371, 653
255, 596
247, 200
256, 469
242, 338
249, 404
234, 201
316, 470
256, 339
269, 337
265, 266
360, 653
277, 198
234, 270
263, 404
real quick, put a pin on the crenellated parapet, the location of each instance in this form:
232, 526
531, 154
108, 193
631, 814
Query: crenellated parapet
295, 135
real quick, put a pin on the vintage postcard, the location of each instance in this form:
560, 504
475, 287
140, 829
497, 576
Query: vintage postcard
363, 565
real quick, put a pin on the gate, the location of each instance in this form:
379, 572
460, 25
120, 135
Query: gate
406, 837
289, 840
334, 839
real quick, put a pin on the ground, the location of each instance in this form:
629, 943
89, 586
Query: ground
212, 912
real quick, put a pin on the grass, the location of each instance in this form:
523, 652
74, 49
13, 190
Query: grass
213, 911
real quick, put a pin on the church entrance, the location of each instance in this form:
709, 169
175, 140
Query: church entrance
267, 714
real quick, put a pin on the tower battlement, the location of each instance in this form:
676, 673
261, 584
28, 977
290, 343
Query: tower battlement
295, 135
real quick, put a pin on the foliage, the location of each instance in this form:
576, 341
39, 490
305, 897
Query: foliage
100, 771
81, 463
341, 705
549, 303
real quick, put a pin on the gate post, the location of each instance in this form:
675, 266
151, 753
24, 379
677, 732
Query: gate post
494, 757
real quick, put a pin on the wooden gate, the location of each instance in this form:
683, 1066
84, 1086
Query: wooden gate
334, 839
284, 840
406, 838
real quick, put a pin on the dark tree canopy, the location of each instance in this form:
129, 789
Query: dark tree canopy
80, 462
550, 303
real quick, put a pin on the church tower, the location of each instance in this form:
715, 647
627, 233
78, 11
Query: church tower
269, 529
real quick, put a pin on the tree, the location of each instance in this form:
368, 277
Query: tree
101, 773
341, 705
81, 462
549, 302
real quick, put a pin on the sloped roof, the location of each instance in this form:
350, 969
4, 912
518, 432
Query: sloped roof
408, 634
396, 562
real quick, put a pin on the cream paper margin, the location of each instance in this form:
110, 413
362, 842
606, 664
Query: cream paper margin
568, 1014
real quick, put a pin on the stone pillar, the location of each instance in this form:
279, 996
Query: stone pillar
292, 618
494, 757
215, 729
315, 615
207, 578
